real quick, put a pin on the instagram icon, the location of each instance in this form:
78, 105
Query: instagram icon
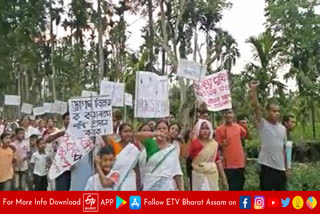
259, 202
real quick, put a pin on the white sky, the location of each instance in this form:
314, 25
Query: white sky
244, 19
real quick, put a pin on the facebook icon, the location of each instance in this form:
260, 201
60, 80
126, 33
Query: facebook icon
135, 203
245, 202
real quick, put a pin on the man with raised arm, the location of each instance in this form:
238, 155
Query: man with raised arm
273, 140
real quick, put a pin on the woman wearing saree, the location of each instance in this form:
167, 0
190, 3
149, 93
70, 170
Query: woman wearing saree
162, 171
126, 163
206, 163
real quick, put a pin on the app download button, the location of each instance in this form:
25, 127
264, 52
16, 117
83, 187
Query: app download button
120, 202
135, 203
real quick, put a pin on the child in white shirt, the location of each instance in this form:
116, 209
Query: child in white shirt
104, 163
40, 164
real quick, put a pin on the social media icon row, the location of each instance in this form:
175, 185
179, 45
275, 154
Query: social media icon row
259, 202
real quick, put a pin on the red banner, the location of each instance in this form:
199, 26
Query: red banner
159, 202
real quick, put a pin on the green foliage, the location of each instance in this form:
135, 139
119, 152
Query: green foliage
303, 177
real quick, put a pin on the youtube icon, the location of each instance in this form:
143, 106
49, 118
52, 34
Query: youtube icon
273, 203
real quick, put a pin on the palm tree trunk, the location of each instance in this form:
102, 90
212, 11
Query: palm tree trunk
163, 61
151, 38
27, 86
52, 55
100, 41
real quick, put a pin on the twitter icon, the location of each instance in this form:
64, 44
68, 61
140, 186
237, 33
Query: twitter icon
286, 202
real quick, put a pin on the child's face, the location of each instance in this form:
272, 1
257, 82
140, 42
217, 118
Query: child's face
41, 145
33, 142
20, 135
42, 124
50, 123
107, 161
13, 138
7, 140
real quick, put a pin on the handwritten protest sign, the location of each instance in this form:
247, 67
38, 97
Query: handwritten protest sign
191, 70
12, 100
91, 115
85, 93
214, 90
128, 99
38, 111
47, 107
26, 108
59, 107
69, 152
152, 96
115, 90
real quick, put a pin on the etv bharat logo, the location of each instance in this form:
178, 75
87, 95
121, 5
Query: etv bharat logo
90, 202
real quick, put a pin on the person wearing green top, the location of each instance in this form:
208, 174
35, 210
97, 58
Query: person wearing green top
162, 164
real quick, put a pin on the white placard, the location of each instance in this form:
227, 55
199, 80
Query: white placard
106, 88
191, 70
47, 107
152, 96
69, 152
128, 99
91, 115
59, 107
114, 89
86, 93
118, 95
26, 108
1, 109
214, 90
12, 100
38, 111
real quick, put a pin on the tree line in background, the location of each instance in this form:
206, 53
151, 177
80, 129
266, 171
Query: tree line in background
53, 49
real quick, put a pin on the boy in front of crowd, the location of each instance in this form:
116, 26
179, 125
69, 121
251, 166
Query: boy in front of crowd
40, 165
22, 147
104, 163
6, 162
33, 143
